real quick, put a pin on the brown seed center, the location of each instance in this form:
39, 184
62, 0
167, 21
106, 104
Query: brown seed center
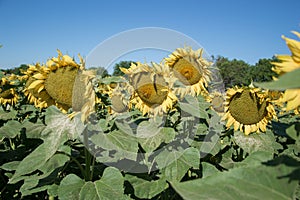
246, 108
187, 73
151, 91
59, 84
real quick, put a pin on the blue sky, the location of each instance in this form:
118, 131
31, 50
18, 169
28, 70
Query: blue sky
32, 30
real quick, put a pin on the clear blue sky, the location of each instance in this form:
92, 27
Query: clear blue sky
32, 30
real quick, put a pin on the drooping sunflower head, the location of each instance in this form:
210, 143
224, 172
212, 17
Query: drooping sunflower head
8, 92
152, 88
289, 63
248, 109
217, 100
191, 69
8, 96
119, 98
56, 80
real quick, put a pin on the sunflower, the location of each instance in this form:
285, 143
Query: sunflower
40, 98
248, 109
288, 64
8, 96
56, 80
151, 86
191, 69
217, 100
119, 94
8, 93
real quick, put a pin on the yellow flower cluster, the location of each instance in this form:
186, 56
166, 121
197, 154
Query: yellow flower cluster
154, 88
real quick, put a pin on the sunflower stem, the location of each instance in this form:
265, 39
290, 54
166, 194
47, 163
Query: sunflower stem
88, 157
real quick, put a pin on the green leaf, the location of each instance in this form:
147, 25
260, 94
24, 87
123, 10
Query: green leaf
10, 166
10, 129
70, 187
174, 164
151, 137
27, 108
124, 145
59, 129
257, 142
192, 106
33, 130
275, 181
288, 80
256, 159
4, 115
146, 189
110, 186
294, 131
208, 169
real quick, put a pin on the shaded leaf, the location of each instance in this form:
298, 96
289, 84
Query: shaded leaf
152, 137
174, 164
59, 128
10, 129
146, 189
192, 106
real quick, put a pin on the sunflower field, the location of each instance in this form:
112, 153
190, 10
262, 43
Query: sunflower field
165, 130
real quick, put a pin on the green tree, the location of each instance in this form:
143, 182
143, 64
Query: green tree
262, 70
16, 70
124, 64
234, 72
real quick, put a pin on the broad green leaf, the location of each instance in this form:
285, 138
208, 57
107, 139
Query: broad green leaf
70, 187
59, 129
272, 181
208, 169
110, 186
146, 189
256, 159
257, 142
123, 145
33, 130
124, 127
174, 164
192, 106
10, 129
151, 137
288, 80
294, 131
5, 115
27, 108
53, 190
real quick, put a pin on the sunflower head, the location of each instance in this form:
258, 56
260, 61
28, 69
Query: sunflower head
191, 69
151, 87
248, 109
8, 96
53, 84
217, 100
